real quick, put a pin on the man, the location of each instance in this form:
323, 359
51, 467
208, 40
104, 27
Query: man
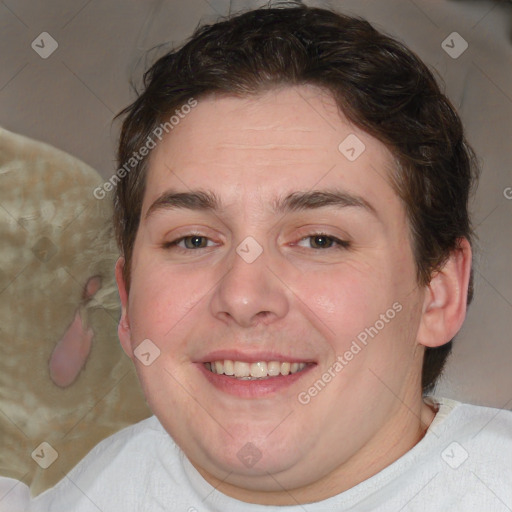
292, 213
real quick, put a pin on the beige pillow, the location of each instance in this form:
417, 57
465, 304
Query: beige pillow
55, 235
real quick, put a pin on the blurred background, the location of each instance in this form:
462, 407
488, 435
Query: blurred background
66, 67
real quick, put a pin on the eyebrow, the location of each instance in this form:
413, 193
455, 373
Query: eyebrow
207, 200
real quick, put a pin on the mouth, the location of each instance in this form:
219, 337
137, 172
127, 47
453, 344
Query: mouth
253, 379
260, 370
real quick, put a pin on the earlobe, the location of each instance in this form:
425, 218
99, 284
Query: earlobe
445, 303
123, 329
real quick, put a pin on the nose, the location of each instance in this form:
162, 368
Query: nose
250, 292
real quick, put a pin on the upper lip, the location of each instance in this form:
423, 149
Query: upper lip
254, 357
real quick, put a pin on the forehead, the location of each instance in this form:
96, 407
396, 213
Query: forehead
287, 139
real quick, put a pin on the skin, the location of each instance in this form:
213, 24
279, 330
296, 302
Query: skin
295, 298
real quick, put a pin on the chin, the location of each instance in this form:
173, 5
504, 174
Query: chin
252, 461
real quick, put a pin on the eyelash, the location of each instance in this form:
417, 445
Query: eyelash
339, 244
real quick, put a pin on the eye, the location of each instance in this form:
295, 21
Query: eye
325, 241
197, 241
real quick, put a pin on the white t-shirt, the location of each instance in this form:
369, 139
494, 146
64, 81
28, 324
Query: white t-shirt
463, 463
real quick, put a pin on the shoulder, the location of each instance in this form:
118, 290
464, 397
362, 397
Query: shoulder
144, 432
478, 439
476, 423
122, 463
142, 437
464, 462
14, 495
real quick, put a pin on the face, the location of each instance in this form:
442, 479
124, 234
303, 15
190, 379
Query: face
304, 265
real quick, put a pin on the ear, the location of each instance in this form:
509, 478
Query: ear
445, 303
123, 329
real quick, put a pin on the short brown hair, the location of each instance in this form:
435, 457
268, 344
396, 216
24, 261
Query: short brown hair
378, 83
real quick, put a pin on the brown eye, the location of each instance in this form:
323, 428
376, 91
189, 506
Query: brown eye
321, 241
324, 241
190, 242
195, 241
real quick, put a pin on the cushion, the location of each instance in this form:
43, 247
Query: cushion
59, 304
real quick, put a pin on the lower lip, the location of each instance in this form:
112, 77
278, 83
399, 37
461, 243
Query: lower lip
252, 388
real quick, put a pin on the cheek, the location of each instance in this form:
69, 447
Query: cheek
159, 298
347, 302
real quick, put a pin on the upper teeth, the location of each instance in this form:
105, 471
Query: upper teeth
260, 369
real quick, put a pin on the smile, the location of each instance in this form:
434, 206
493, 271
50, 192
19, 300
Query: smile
253, 371
253, 375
